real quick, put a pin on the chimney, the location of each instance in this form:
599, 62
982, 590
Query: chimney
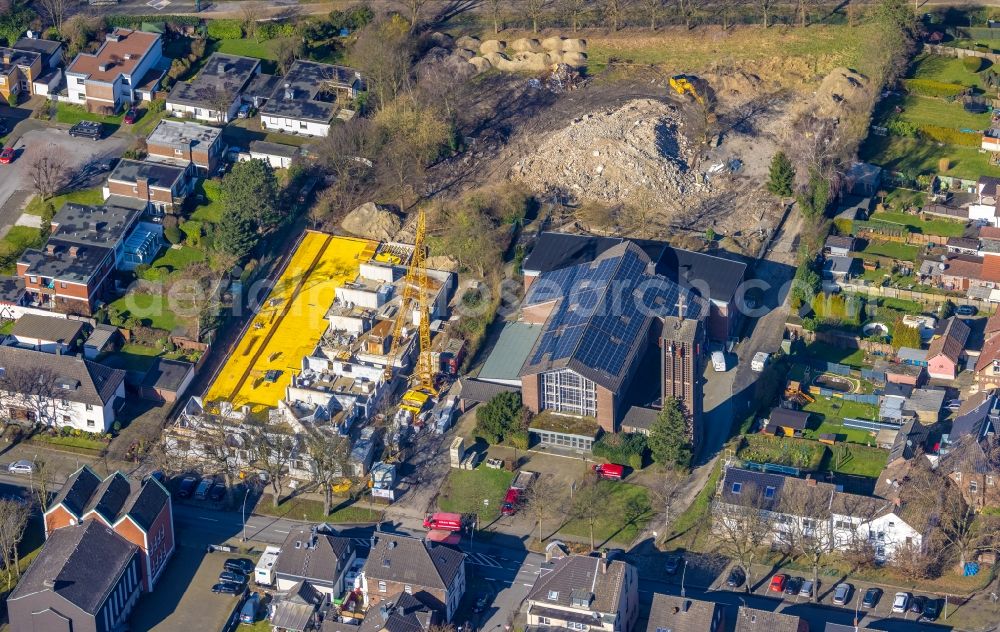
604, 562
897, 501
73, 251
687, 604
289, 93
104, 67
142, 187
676, 609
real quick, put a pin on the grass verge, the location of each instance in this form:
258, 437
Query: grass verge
465, 490
312, 510
628, 510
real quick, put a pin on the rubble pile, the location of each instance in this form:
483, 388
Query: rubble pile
372, 221
523, 54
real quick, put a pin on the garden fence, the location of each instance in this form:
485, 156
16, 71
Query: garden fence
951, 51
867, 424
873, 375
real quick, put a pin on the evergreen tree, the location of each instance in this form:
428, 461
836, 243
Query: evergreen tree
668, 437
781, 176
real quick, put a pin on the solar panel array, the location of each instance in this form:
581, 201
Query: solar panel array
604, 306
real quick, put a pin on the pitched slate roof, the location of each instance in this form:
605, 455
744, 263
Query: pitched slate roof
77, 379
76, 491
581, 576
480, 391
318, 557
113, 498
678, 614
110, 497
840, 241
47, 328
787, 418
409, 560
975, 415
752, 620
403, 613
145, 502
84, 560
640, 417
908, 440
293, 609
952, 340
968, 455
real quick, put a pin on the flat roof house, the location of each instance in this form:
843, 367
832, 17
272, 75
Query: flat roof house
126, 68
583, 590
182, 143
18, 71
308, 97
82, 394
85, 579
50, 50
215, 94
161, 186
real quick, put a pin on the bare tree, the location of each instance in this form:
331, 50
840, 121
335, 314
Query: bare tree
330, 457
962, 530
653, 10
615, 11
56, 11
384, 51
31, 394
686, 9
414, 7
220, 99
590, 503
765, 7
496, 7
666, 491
726, 9
912, 560
287, 51
41, 485
575, 10
535, 10
808, 525
47, 172
742, 529
250, 14
192, 293
546, 500
14, 515
271, 447
220, 448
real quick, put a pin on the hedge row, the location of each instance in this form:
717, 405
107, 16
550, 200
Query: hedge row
951, 136
135, 21
623, 448
931, 88
225, 29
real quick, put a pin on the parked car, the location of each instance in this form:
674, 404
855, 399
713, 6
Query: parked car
233, 577
932, 609
248, 614
187, 486
7, 155
482, 603
201, 493
842, 593
871, 598
239, 565
217, 492
131, 116
226, 588
672, 564
21, 467
917, 604
736, 578
807, 589
792, 585
778, 583
87, 129
966, 310
901, 602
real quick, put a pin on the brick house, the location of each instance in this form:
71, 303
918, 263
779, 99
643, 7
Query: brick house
945, 352
182, 143
971, 454
18, 71
126, 68
580, 590
161, 186
397, 564
140, 512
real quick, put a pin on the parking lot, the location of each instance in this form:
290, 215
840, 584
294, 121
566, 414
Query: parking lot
183, 599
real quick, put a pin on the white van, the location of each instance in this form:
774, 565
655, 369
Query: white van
759, 361
263, 573
719, 361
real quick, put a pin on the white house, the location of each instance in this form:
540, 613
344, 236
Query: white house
216, 93
51, 334
317, 555
308, 98
984, 209
57, 390
126, 68
581, 592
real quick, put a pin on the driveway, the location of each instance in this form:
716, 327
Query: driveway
29, 140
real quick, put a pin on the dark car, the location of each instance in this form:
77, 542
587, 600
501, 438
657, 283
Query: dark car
87, 129
966, 310
218, 492
672, 565
871, 598
239, 565
792, 585
917, 604
227, 588
131, 116
482, 603
932, 609
736, 578
233, 577
187, 487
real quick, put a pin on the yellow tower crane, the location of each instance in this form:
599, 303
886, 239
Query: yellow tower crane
415, 289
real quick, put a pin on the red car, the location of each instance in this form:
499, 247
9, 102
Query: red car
778, 583
131, 116
7, 155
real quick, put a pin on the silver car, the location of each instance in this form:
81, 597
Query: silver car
807, 589
841, 594
23, 466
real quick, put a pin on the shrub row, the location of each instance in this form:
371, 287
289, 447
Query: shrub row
623, 448
931, 88
951, 136
135, 21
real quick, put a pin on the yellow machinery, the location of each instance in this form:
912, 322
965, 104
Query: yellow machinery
684, 84
415, 289
794, 392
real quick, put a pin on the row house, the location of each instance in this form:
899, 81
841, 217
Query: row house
126, 69
582, 592
161, 186
181, 143
308, 97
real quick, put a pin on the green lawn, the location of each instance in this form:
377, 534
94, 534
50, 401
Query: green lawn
73, 442
830, 353
312, 510
828, 414
892, 249
914, 157
852, 435
151, 308
132, 357
465, 490
92, 197
72, 114
212, 210
857, 460
934, 111
614, 524
176, 258
943, 69
943, 227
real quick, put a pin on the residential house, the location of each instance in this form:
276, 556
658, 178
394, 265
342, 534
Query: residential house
141, 512
892, 403
985, 205
126, 69
963, 245
308, 98
50, 334
161, 186
988, 363
926, 404
680, 614
117, 228
85, 579
103, 339
317, 556
908, 442
182, 143
50, 50
580, 591
298, 609
787, 422
957, 273
946, 350
275, 154
216, 93
753, 620
81, 394
970, 454
433, 573
838, 245
808, 504
863, 179
839, 269
404, 613
18, 71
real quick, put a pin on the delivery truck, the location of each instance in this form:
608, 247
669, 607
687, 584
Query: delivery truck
610, 471
443, 521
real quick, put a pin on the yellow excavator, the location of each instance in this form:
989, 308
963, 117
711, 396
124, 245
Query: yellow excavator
684, 84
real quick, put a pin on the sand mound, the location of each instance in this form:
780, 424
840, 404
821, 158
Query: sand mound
839, 89
468, 42
624, 155
481, 64
524, 44
577, 60
492, 46
442, 262
552, 43
574, 45
372, 221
